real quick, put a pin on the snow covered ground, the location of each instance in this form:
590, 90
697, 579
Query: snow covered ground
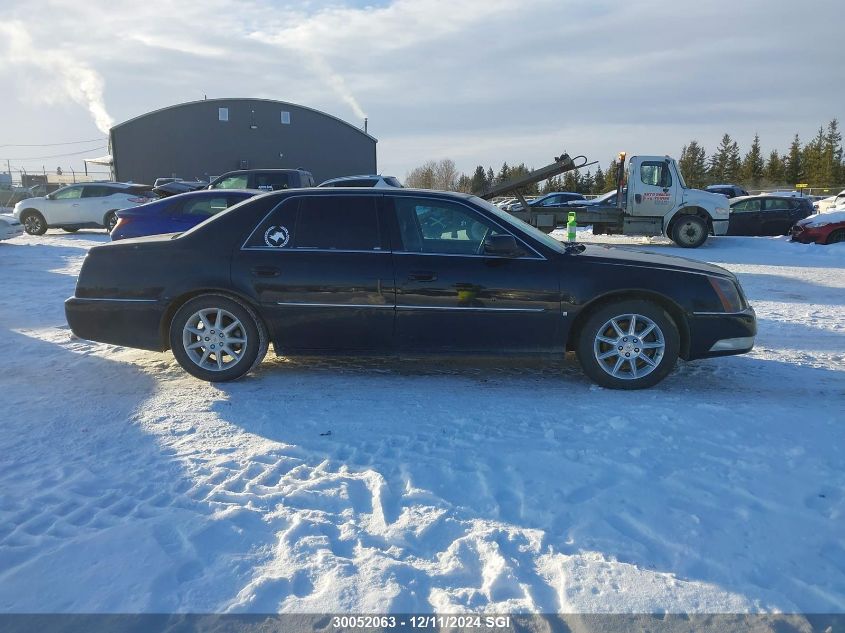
381, 485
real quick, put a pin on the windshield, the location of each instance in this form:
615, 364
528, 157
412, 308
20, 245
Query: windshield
518, 224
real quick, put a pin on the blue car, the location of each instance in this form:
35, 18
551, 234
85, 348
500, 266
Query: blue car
178, 213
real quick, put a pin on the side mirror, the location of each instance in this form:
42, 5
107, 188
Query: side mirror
502, 245
49, 196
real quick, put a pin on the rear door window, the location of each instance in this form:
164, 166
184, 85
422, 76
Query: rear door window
338, 222
270, 181
321, 223
777, 204
97, 191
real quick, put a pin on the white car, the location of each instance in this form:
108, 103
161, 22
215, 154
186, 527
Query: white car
833, 202
372, 180
9, 227
84, 205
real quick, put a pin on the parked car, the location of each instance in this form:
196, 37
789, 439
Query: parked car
551, 200
263, 179
172, 186
362, 181
731, 191
831, 202
822, 228
605, 199
766, 214
175, 214
325, 271
87, 205
9, 227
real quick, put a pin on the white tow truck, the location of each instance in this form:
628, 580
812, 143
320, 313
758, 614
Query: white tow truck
654, 200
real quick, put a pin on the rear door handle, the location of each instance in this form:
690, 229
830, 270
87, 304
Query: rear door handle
266, 271
422, 275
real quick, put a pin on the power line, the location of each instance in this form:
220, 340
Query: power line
91, 140
90, 149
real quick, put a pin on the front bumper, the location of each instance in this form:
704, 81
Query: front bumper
721, 334
720, 227
127, 322
808, 235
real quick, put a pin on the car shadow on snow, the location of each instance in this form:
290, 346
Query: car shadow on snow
673, 479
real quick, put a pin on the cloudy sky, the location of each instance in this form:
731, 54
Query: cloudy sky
478, 81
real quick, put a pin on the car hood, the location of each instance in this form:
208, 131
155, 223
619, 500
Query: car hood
644, 259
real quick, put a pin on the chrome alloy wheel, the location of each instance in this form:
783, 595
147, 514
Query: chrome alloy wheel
214, 339
629, 346
32, 223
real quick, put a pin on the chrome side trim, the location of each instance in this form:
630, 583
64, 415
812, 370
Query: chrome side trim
740, 313
469, 308
533, 259
121, 300
303, 304
305, 249
405, 307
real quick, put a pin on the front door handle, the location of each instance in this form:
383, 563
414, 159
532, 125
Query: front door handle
638, 198
422, 275
266, 271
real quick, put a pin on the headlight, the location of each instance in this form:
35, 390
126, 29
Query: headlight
728, 294
722, 211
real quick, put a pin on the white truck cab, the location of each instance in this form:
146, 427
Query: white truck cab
655, 200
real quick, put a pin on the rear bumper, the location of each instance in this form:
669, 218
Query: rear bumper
127, 322
717, 334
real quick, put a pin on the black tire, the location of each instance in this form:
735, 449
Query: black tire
33, 222
109, 220
589, 347
836, 237
689, 231
69, 230
246, 356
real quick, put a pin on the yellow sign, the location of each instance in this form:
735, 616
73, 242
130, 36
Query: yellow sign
801, 185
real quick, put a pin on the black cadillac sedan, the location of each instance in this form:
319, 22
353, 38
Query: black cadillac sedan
336, 271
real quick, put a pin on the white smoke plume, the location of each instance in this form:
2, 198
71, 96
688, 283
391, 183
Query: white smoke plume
59, 76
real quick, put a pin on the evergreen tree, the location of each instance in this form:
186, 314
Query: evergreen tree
598, 182
464, 184
751, 172
571, 180
718, 166
490, 177
504, 174
610, 175
478, 183
774, 173
693, 164
813, 159
832, 154
734, 164
794, 163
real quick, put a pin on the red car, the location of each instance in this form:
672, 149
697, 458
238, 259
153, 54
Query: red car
822, 228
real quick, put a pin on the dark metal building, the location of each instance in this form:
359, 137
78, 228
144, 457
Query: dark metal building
207, 138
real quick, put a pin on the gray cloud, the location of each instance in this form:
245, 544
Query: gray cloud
480, 82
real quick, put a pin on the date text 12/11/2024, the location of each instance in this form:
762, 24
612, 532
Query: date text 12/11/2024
351, 622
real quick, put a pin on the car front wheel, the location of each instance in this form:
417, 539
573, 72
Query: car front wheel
217, 338
628, 345
33, 223
110, 221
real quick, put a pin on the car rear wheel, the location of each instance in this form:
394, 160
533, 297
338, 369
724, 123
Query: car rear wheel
689, 231
33, 222
110, 220
217, 338
836, 237
628, 345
